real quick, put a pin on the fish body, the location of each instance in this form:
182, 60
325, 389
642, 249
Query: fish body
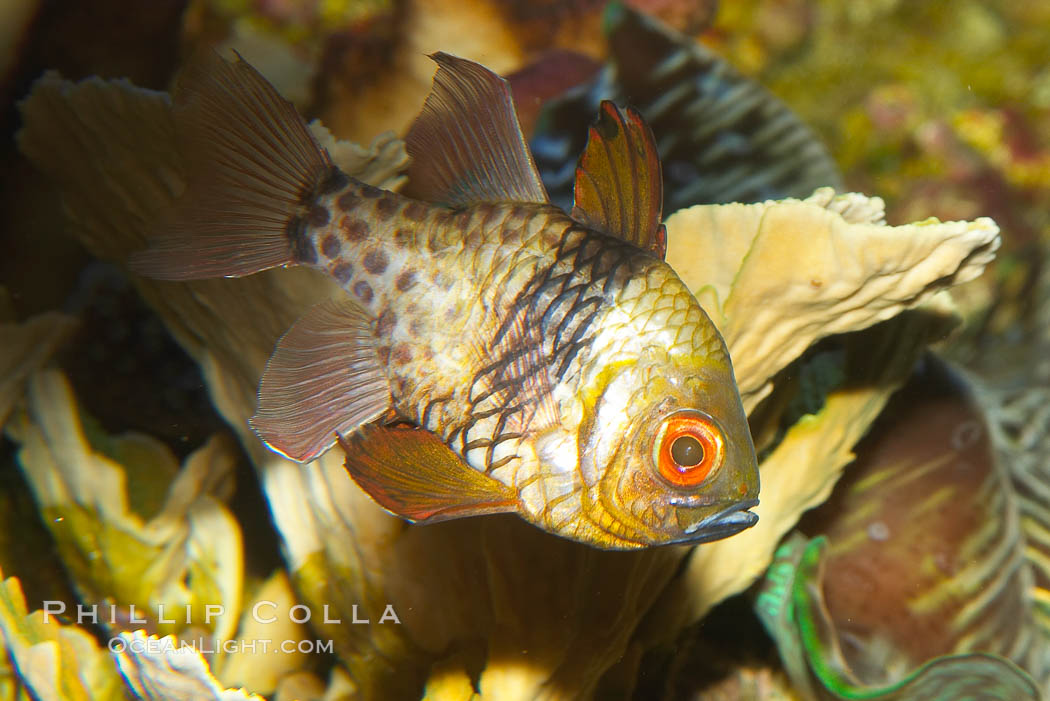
549, 364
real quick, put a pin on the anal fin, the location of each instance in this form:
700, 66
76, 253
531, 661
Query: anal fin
324, 378
411, 473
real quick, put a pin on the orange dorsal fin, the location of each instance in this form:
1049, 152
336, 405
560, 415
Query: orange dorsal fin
619, 188
466, 144
411, 473
323, 379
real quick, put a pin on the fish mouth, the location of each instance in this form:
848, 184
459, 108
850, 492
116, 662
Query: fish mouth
721, 524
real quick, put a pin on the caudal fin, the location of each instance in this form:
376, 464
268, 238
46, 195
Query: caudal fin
253, 169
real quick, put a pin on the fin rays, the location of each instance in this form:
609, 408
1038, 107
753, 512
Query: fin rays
411, 473
324, 379
466, 144
618, 181
250, 162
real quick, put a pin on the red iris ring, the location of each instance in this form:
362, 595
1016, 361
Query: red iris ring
706, 432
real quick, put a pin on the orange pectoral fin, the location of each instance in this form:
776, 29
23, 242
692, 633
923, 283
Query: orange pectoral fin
411, 473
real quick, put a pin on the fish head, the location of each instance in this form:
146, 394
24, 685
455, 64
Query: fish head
666, 452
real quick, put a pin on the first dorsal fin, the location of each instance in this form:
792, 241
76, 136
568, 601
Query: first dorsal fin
619, 188
466, 144
411, 473
324, 378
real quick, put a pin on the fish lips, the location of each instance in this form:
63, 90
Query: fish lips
721, 524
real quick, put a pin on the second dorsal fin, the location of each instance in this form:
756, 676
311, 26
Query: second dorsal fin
466, 144
619, 188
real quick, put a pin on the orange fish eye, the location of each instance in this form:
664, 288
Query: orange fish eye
689, 447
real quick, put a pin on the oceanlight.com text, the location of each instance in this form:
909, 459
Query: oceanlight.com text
211, 646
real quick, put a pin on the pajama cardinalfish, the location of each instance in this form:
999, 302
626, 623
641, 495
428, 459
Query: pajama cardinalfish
491, 353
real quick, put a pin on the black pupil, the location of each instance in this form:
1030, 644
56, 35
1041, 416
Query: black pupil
687, 451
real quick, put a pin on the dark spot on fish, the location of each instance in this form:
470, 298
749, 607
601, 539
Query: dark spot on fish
370, 192
386, 323
330, 246
428, 353
307, 255
402, 354
355, 230
334, 181
348, 200
402, 237
451, 314
295, 229
405, 280
363, 291
416, 327
384, 354
412, 308
385, 207
318, 216
415, 211
375, 262
302, 248
343, 272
